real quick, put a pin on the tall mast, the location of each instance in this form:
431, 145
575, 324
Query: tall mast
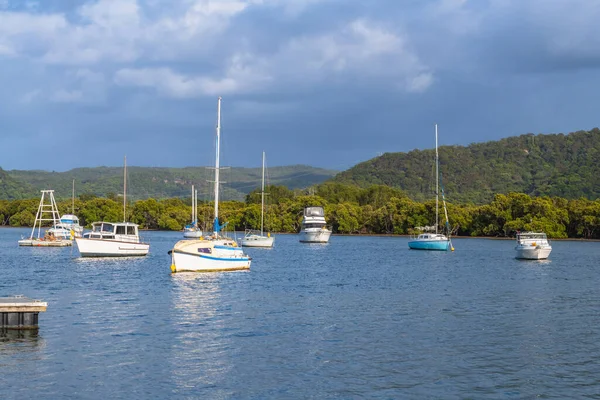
262, 196
124, 188
73, 199
437, 178
216, 223
196, 207
193, 205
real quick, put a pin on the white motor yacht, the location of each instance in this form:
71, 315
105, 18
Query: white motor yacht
314, 227
532, 246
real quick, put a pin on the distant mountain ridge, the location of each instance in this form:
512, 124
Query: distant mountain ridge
146, 182
561, 165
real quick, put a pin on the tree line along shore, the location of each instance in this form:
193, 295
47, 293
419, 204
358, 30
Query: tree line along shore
349, 209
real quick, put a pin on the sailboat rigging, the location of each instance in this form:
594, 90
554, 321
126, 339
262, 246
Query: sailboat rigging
437, 241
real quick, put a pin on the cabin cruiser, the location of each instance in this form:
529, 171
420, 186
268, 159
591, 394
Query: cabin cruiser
112, 239
532, 246
67, 228
314, 229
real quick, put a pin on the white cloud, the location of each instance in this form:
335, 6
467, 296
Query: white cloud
172, 84
360, 48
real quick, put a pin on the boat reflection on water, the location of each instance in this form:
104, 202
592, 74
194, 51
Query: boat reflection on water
199, 352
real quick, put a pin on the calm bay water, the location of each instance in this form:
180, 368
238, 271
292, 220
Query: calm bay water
361, 317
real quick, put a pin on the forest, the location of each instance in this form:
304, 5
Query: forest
566, 166
153, 182
350, 209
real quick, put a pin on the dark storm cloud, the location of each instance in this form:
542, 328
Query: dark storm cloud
323, 82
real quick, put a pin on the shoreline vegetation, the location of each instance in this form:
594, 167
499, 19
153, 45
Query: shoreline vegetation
349, 209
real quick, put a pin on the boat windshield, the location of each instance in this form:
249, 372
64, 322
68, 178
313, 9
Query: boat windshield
314, 212
534, 236
107, 227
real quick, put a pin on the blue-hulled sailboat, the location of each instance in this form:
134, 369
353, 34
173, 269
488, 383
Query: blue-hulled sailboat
435, 241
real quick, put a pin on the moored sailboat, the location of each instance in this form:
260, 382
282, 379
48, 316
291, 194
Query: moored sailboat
253, 238
215, 252
193, 231
435, 241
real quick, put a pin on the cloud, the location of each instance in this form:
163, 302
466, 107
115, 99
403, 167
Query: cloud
345, 68
358, 49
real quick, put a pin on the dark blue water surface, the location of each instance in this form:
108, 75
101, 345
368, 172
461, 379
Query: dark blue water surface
360, 317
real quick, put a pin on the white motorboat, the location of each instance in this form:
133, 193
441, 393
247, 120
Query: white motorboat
193, 231
254, 238
434, 241
67, 228
215, 252
47, 212
113, 239
314, 227
532, 246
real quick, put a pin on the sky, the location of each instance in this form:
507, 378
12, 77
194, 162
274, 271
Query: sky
327, 83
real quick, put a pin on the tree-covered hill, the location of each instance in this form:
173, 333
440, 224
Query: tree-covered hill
561, 165
11, 189
148, 182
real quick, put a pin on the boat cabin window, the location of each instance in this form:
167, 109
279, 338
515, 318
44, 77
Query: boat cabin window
108, 228
314, 225
97, 228
120, 230
131, 230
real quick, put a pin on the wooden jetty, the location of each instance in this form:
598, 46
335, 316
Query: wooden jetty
45, 243
19, 312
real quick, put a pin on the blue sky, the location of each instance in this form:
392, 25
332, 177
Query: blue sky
328, 83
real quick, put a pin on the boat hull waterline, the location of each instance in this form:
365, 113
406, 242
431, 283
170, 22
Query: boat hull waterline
533, 253
110, 248
440, 245
318, 236
208, 256
257, 241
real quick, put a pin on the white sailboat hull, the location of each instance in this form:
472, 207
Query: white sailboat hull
315, 235
110, 248
258, 241
208, 256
